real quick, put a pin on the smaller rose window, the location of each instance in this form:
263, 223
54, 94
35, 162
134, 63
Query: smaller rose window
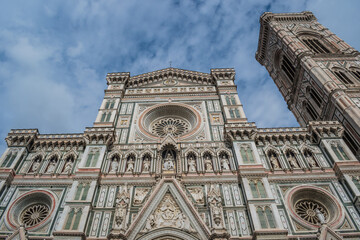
170, 126
34, 214
309, 210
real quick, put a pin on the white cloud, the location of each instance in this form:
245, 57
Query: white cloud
54, 57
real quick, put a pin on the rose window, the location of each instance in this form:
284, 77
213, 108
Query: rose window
170, 126
307, 210
34, 214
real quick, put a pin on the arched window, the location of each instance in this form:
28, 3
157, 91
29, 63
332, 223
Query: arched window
232, 115
237, 113
227, 100
82, 191
356, 73
266, 217
314, 96
311, 111
92, 158
339, 151
356, 181
342, 76
233, 101
73, 219
247, 154
288, 68
9, 159
315, 45
108, 117
257, 188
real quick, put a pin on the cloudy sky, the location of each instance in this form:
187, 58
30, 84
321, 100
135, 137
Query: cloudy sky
54, 55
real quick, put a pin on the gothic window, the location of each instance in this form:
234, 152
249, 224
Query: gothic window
266, 217
291, 157
351, 142
257, 188
356, 181
356, 73
274, 159
315, 96
232, 115
311, 111
310, 158
237, 113
339, 151
228, 100
73, 219
9, 159
315, 45
342, 76
92, 158
82, 191
247, 154
288, 68
233, 101
105, 117
109, 104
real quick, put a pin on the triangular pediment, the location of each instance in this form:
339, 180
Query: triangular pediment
169, 77
168, 210
326, 233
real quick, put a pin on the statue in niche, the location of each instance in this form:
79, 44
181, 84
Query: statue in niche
169, 162
68, 167
292, 160
310, 158
192, 164
114, 165
35, 165
130, 164
214, 201
225, 162
146, 164
274, 161
51, 167
122, 202
208, 164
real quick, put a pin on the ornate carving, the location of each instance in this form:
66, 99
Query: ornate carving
197, 194
168, 214
311, 211
122, 202
214, 201
140, 194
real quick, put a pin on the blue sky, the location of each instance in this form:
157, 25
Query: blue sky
54, 55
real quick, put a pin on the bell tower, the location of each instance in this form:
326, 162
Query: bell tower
317, 73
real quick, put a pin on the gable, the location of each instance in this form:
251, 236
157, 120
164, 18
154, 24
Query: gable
168, 210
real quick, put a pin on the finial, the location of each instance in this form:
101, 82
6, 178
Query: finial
170, 63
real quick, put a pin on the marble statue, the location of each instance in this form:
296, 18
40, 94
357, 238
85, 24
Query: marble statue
68, 167
130, 165
51, 167
122, 202
169, 162
274, 161
146, 164
114, 166
225, 163
208, 164
192, 164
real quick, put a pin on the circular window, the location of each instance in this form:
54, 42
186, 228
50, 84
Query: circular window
178, 120
34, 214
170, 126
32, 209
309, 211
308, 203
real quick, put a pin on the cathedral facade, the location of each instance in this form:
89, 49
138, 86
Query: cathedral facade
172, 156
